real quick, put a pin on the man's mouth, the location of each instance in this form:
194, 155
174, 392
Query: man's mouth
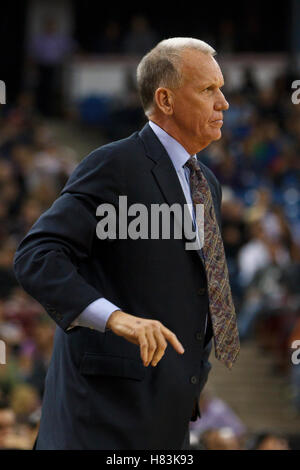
217, 123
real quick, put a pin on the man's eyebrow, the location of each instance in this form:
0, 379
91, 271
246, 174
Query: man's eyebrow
211, 84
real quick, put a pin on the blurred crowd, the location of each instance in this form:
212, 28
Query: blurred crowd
34, 166
257, 162
258, 165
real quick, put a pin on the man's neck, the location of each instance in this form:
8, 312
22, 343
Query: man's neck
174, 132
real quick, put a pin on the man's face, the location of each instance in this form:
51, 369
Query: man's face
199, 102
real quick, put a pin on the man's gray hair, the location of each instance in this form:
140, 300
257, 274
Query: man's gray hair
161, 67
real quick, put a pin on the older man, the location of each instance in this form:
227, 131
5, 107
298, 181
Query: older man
125, 303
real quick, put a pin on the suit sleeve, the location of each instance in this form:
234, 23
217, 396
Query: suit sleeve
46, 262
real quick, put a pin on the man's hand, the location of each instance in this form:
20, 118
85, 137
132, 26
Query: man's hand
150, 335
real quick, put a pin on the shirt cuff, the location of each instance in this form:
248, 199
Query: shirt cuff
95, 315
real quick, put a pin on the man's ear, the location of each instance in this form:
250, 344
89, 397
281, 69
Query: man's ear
164, 100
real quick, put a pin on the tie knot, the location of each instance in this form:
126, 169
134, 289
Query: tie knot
192, 164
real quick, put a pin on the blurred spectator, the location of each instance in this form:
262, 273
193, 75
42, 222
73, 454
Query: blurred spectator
252, 29
7, 423
24, 400
126, 113
14, 436
110, 41
220, 439
42, 337
269, 441
234, 237
216, 414
7, 278
249, 87
29, 213
140, 38
259, 253
227, 40
48, 51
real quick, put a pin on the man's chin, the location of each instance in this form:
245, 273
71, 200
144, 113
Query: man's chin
213, 137
214, 132
217, 135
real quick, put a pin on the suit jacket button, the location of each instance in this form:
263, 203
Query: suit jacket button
199, 336
201, 291
58, 316
193, 379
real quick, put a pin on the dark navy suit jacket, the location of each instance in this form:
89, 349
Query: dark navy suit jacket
98, 394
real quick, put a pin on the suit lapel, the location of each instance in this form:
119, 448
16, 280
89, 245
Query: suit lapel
165, 174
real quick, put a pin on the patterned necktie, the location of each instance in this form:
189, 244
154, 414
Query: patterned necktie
222, 311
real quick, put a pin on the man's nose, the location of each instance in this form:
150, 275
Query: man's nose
221, 103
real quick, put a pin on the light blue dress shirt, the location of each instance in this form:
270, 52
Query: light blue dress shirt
96, 314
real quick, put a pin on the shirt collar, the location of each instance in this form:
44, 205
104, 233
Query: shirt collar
175, 150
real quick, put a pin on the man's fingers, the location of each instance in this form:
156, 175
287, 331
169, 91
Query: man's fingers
151, 336
172, 338
154, 344
143, 346
161, 347
151, 344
